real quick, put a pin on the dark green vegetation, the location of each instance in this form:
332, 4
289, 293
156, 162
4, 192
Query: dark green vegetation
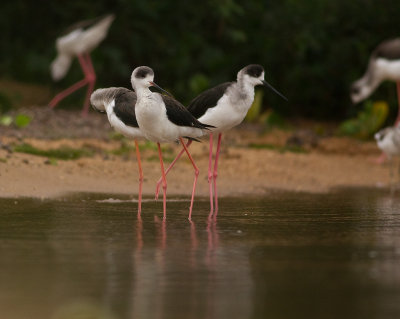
5, 102
125, 149
68, 153
312, 50
62, 153
367, 122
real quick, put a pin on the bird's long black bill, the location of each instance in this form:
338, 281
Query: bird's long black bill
160, 88
273, 89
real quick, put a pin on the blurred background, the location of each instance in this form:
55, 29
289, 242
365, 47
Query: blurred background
311, 50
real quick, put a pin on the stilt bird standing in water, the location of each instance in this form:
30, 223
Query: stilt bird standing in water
224, 107
119, 104
161, 118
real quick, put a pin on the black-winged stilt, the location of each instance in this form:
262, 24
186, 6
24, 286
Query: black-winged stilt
79, 40
224, 107
161, 118
119, 104
384, 64
388, 140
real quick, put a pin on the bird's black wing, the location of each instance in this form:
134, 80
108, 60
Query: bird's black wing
85, 24
389, 50
124, 109
179, 115
207, 99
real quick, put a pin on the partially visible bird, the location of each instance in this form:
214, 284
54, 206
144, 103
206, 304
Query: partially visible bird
384, 64
224, 107
388, 140
119, 104
78, 41
161, 118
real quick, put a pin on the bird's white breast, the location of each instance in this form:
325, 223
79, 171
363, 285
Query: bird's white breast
230, 110
151, 115
119, 126
388, 69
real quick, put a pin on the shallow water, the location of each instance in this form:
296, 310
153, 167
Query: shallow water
282, 256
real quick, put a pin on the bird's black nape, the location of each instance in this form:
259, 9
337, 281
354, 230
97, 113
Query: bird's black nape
143, 71
254, 70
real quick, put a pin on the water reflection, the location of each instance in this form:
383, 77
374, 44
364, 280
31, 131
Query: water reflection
180, 273
282, 256
212, 240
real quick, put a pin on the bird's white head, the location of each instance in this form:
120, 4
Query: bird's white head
253, 75
142, 78
360, 90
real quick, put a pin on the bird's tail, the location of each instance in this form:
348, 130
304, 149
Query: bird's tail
191, 138
207, 126
60, 66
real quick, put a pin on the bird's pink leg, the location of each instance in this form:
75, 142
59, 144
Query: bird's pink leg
83, 61
210, 175
60, 96
379, 160
196, 175
215, 174
90, 76
169, 168
139, 232
88, 63
398, 102
164, 182
140, 177
193, 245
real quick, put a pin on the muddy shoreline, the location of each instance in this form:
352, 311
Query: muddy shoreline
253, 162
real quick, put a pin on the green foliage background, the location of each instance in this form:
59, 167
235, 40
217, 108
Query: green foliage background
312, 50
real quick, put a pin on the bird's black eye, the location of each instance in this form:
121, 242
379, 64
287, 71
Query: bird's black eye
380, 135
355, 90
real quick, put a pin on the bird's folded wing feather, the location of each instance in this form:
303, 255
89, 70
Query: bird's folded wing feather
207, 99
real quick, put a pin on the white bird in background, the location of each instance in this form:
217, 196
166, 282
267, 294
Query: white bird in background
384, 64
388, 140
224, 107
79, 40
119, 104
161, 118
